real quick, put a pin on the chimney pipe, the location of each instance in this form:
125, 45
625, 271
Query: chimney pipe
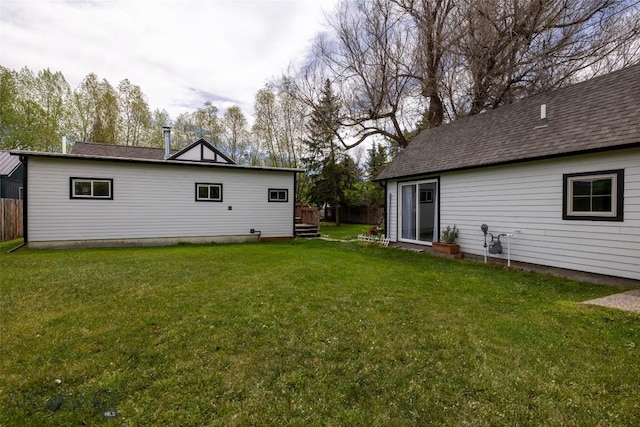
166, 133
64, 145
543, 111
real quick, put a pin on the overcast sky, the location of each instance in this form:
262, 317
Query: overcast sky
180, 52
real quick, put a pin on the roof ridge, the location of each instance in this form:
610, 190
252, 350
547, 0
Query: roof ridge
592, 115
117, 145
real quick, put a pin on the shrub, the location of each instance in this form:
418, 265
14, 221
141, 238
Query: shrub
449, 234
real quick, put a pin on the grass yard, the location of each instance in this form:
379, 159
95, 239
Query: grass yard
344, 231
305, 333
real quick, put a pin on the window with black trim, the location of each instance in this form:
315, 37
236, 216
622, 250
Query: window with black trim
594, 196
91, 188
278, 195
207, 192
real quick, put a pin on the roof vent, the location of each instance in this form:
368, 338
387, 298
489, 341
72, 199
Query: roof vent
543, 117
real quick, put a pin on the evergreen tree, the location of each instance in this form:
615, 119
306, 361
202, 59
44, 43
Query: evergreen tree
326, 162
376, 160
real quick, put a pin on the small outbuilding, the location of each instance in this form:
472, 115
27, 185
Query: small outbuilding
556, 176
110, 195
11, 176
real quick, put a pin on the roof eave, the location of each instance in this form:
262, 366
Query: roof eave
12, 170
511, 162
151, 161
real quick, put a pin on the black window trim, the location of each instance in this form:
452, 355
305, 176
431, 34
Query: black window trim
618, 194
286, 193
209, 184
72, 194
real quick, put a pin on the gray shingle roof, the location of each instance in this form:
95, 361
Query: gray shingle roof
111, 150
8, 163
598, 114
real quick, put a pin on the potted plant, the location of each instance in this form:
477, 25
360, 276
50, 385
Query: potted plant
447, 243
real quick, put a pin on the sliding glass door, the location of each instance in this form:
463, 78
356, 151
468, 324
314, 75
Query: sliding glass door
418, 211
408, 215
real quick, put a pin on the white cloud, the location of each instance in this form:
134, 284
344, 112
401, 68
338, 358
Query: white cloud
181, 53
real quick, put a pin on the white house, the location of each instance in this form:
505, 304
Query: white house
109, 195
560, 172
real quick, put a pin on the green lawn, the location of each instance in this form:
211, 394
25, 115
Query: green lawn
305, 333
343, 231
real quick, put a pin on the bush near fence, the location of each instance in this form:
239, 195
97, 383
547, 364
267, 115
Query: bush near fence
10, 219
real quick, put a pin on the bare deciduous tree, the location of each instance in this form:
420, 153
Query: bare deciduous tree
394, 62
433, 36
368, 61
516, 49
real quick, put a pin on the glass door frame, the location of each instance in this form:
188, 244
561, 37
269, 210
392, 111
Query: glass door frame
436, 209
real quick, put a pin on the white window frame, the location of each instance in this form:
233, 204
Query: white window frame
209, 186
436, 213
617, 182
279, 192
92, 182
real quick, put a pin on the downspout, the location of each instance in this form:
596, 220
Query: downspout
25, 199
295, 196
438, 206
385, 218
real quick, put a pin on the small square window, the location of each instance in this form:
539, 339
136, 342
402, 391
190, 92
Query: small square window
203, 192
214, 192
206, 192
594, 196
278, 195
101, 188
91, 188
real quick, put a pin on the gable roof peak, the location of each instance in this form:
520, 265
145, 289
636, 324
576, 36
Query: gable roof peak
207, 153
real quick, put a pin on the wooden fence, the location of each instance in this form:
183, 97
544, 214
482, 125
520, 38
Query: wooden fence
10, 219
361, 215
307, 215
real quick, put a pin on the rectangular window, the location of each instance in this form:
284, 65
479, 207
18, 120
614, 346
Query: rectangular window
206, 192
426, 196
91, 188
594, 196
278, 195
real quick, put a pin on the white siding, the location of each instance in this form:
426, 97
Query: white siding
207, 154
528, 197
392, 211
195, 153
152, 201
200, 152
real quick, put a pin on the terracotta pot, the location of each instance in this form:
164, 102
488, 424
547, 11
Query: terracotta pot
445, 248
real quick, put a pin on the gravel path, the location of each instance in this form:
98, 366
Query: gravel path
629, 301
